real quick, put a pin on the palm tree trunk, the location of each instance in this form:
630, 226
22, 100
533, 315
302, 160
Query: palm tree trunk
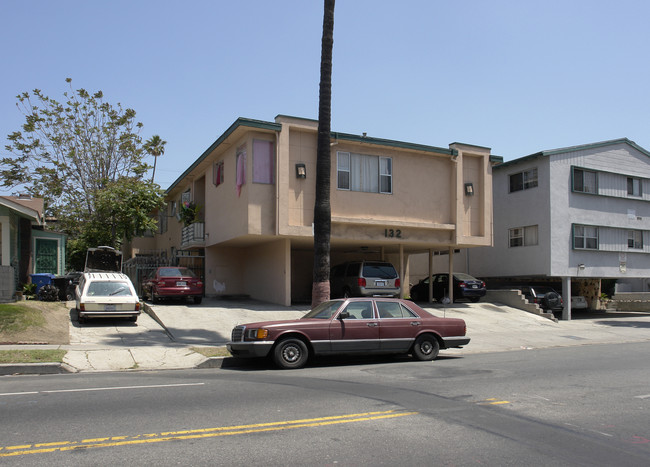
322, 208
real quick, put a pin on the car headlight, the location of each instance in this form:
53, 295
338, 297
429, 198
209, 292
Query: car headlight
259, 333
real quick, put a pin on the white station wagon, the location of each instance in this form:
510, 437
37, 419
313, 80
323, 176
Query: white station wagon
103, 291
106, 295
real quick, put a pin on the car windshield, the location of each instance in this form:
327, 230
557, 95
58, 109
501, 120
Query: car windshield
108, 289
175, 272
543, 290
325, 310
383, 271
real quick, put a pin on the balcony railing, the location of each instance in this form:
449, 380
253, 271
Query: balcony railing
193, 235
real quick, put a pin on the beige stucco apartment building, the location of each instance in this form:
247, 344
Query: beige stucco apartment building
254, 189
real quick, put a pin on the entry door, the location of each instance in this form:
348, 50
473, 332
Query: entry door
357, 333
46, 256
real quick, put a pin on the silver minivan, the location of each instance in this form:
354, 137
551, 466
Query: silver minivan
364, 279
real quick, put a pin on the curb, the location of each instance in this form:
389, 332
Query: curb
35, 369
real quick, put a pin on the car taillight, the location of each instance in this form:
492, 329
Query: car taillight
362, 282
482, 284
397, 282
82, 307
199, 284
137, 306
462, 285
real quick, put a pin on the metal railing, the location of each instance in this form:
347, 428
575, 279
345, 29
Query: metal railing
193, 235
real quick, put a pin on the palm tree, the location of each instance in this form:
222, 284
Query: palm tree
155, 147
322, 209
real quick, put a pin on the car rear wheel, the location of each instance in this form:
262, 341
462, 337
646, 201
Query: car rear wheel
290, 353
346, 293
426, 348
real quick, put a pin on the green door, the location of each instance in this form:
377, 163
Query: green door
45, 256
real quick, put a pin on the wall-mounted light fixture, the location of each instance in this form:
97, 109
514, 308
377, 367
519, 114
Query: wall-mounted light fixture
301, 171
469, 189
581, 266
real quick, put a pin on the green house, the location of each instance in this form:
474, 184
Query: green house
25, 247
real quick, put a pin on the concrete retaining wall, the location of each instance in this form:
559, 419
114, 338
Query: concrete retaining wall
632, 301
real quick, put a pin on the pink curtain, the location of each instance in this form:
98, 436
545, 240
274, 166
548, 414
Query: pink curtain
241, 171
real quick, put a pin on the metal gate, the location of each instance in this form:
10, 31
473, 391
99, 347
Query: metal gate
140, 268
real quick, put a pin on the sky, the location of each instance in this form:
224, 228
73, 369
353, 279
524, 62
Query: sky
517, 76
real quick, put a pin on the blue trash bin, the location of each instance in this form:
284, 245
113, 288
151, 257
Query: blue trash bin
41, 279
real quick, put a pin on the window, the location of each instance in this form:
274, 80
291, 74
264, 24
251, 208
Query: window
523, 180
262, 161
585, 237
585, 181
162, 222
393, 310
633, 186
523, 236
343, 170
359, 172
635, 239
218, 173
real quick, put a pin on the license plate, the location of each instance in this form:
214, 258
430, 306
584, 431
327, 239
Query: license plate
109, 307
181, 284
380, 283
475, 286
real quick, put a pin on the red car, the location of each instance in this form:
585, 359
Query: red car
172, 282
352, 326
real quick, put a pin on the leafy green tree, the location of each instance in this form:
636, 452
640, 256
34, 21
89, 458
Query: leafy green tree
155, 146
322, 207
76, 155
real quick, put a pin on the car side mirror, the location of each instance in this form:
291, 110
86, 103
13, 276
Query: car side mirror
343, 315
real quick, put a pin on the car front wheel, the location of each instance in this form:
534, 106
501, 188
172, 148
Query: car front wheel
426, 348
290, 353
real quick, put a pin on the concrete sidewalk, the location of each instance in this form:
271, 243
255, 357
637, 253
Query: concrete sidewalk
165, 336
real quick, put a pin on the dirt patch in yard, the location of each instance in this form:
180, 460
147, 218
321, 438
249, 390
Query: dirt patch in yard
54, 328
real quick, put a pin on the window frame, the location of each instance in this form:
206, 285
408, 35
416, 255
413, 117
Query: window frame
263, 162
345, 173
636, 243
584, 237
639, 183
526, 239
218, 175
529, 179
581, 189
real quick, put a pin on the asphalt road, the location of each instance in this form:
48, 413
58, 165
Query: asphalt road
583, 405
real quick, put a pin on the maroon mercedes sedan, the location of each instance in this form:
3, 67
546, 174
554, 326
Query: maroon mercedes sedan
352, 326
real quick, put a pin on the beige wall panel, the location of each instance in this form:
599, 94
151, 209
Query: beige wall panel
420, 183
266, 271
224, 271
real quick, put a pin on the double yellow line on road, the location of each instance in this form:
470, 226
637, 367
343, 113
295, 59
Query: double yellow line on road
113, 441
